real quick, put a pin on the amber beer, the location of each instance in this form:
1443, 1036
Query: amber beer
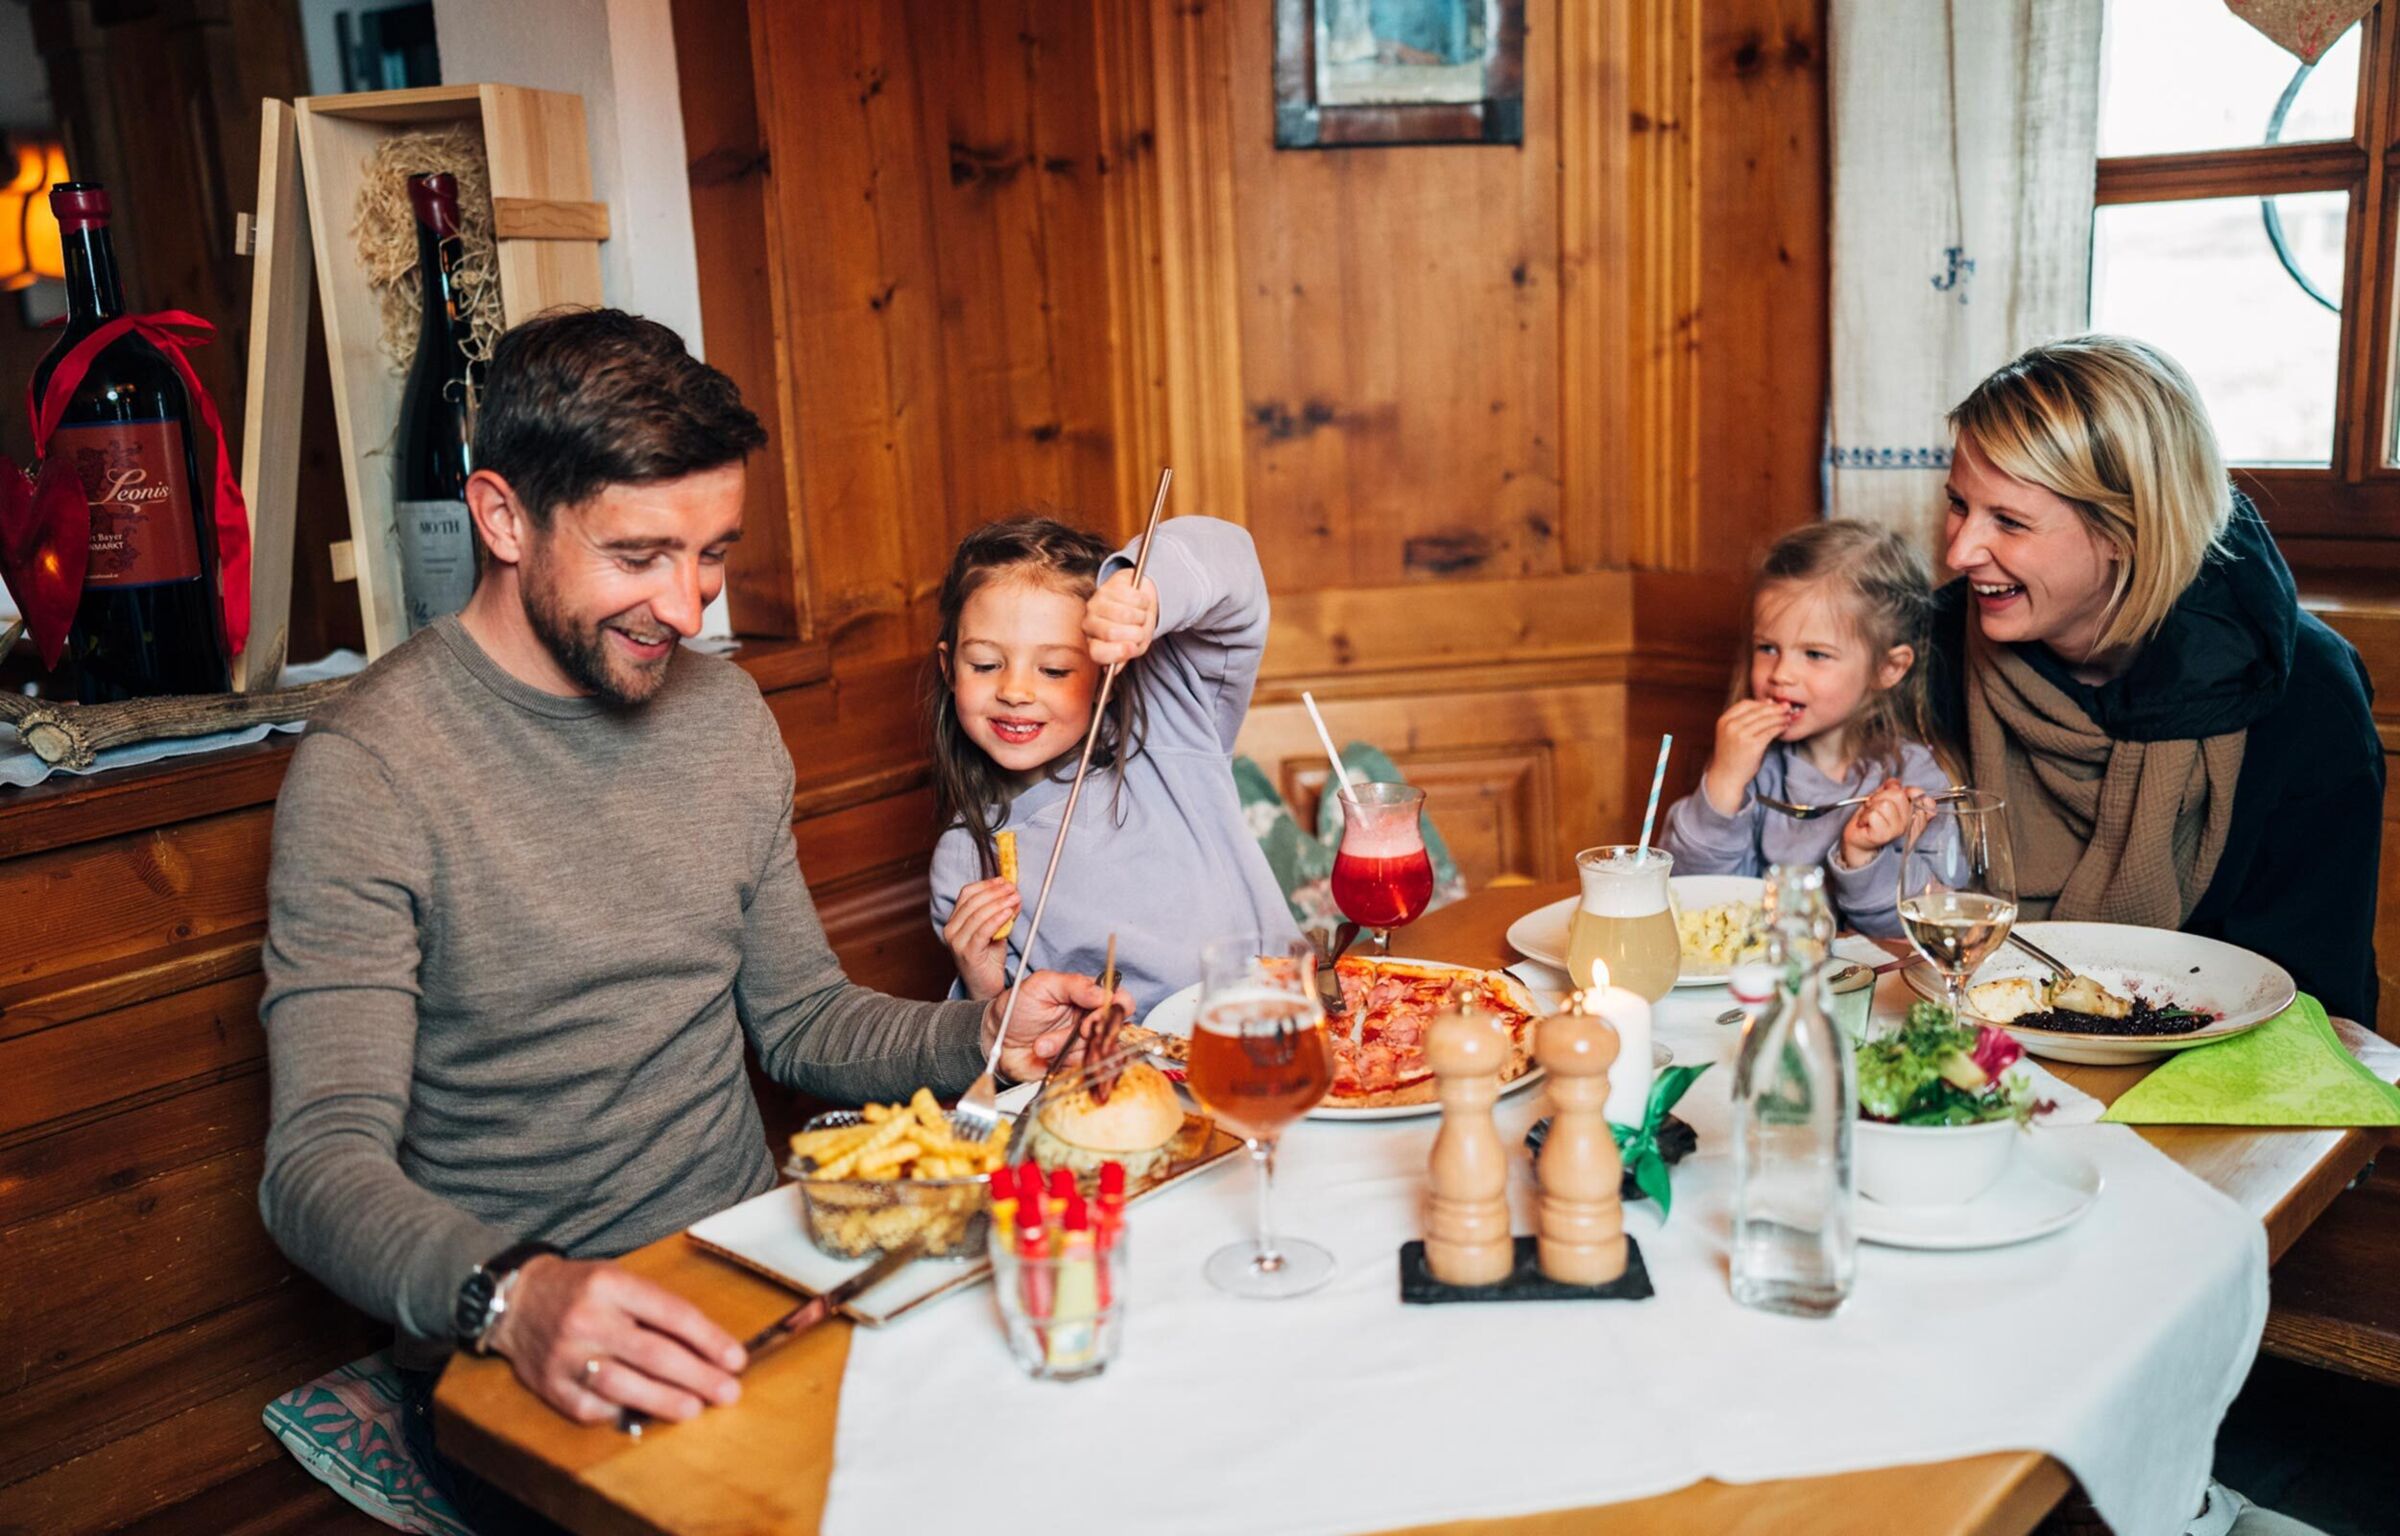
1259, 1061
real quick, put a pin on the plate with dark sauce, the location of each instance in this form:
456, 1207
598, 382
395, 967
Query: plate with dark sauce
2165, 992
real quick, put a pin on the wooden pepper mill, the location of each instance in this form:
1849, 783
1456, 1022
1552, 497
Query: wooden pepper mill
1582, 1221
1467, 1238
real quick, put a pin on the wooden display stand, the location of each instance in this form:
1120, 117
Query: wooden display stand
548, 231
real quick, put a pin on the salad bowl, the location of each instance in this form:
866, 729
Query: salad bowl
1932, 1165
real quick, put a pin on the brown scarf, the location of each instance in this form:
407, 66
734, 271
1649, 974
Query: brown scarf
2105, 831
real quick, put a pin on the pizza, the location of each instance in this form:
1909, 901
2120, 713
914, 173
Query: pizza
1379, 1058
1379, 1042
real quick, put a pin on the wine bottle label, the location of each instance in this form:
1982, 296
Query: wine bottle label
134, 477
437, 558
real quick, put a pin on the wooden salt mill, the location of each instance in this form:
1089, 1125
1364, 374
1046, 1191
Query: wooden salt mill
1582, 1219
1467, 1237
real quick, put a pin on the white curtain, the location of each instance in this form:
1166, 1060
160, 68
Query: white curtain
1964, 133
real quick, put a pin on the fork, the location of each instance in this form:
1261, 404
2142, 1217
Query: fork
978, 1109
1329, 985
1812, 812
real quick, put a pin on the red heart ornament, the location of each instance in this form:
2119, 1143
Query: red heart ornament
45, 542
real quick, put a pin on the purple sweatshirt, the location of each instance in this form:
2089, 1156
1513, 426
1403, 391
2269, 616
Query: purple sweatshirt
1753, 837
1159, 855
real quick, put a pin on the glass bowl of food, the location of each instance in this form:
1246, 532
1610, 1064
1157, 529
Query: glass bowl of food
892, 1175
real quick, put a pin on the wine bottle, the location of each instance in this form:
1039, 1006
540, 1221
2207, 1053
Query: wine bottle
435, 451
148, 621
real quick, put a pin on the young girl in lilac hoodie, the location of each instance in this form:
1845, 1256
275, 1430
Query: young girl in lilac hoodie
1159, 855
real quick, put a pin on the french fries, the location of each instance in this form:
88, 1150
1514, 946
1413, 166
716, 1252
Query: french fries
899, 1141
1004, 846
900, 1174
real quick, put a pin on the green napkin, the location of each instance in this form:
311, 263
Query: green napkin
2291, 1070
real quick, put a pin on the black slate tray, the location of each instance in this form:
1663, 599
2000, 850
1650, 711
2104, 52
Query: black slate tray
1526, 1283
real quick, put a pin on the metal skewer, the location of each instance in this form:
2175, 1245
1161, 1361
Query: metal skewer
978, 1107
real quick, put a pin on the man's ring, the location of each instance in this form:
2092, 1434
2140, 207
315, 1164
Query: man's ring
591, 1372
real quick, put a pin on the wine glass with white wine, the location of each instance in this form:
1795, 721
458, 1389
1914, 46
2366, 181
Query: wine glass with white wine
1958, 887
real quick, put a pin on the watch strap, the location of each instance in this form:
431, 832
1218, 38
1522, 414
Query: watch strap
481, 1299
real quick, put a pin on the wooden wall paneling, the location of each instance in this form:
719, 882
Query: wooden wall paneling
1399, 342
857, 326
70, 1068
2373, 625
71, 908
740, 257
1763, 276
53, 1167
1164, 101
1009, 95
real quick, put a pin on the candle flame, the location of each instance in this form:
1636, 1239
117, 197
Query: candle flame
1599, 975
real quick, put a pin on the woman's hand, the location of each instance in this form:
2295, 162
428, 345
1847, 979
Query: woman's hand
1120, 620
1055, 1004
983, 909
1744, 732
1882, 821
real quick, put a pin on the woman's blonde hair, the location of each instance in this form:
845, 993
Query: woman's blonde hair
1879, 583
2114, 427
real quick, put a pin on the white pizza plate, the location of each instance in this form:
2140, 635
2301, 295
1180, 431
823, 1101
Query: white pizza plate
2047, 1187
1174, 1015
1541, 934
2166, 967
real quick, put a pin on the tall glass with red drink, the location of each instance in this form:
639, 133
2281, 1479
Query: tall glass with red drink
1382, 878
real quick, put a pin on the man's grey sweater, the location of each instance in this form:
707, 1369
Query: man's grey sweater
515, 941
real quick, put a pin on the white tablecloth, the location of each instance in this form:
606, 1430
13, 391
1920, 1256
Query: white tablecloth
2115, 1346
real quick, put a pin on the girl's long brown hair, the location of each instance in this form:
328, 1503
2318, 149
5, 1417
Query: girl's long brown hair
1885, 593
969, 789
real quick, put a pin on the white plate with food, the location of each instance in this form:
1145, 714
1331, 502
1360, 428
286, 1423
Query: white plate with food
2157, 992
2047, 1186
1713, 915
1379, 1069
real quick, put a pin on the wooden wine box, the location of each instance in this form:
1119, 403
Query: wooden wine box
548, 232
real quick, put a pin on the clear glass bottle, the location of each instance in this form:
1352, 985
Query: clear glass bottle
1795, 1093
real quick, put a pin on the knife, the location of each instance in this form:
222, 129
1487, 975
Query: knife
803, 1317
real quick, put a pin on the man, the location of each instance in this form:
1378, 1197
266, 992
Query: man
534, 883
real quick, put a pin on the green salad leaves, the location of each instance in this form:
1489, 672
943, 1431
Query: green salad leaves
1936, 1071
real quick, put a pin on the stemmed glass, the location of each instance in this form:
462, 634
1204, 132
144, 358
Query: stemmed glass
1382, 876
1958, 887
1259, 1061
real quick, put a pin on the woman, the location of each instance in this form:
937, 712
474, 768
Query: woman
2125, 660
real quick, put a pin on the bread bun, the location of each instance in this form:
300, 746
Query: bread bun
1141, 1117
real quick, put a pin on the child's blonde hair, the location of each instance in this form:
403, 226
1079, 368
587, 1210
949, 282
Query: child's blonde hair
1882, 590
2114, 427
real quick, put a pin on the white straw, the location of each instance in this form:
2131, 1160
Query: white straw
1658, 781
1339, 772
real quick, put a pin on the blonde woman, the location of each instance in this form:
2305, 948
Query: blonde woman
2125, 660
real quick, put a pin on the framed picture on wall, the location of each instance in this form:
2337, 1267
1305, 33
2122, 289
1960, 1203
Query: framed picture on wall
1351, 72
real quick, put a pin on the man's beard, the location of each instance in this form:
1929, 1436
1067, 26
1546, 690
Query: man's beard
582, 650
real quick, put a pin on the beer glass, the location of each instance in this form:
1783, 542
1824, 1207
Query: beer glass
1259, 1061
1382, 877
1625, 920
1958, 886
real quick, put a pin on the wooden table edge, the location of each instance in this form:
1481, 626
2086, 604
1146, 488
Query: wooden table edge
2009, 1492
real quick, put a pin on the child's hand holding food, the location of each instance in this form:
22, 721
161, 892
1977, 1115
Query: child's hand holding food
1120, 619
1882, 821
1744, 732
985, 911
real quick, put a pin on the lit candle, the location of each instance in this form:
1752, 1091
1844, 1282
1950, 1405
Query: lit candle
1628, 1013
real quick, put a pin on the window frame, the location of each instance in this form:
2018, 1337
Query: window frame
2349, 511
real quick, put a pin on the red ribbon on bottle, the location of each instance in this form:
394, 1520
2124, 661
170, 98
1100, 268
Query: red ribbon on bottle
46, 524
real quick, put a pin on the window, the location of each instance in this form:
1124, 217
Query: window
2246, 224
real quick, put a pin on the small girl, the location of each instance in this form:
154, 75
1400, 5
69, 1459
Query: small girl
1159, 855
1831, 704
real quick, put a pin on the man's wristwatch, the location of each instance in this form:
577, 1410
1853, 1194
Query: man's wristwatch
483, 1299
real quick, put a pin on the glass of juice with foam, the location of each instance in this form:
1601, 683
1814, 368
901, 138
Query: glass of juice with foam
1382, 878
1625, 919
